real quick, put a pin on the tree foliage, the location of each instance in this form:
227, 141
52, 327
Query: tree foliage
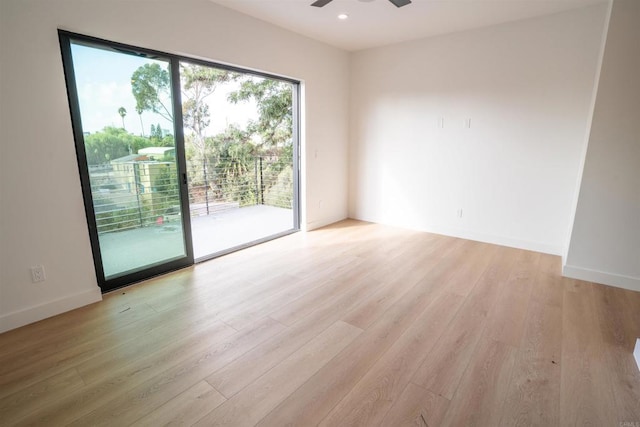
198, 83
235, 171
123, 112
151, 87
275, 107
112, 143
225, 164
160, 138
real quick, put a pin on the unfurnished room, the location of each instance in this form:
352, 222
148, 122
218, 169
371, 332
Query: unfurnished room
320, 212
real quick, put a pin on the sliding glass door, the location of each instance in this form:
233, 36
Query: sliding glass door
131, 163
164, 142
239, 140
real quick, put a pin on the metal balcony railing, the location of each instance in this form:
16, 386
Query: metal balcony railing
137, 194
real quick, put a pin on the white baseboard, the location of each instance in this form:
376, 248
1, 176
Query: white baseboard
498, 240
309, 226
617, 280
479, 237
28, 315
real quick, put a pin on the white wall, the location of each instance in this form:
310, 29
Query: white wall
42, 216
526, 86
605, 241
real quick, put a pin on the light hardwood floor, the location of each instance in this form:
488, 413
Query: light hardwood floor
353, 324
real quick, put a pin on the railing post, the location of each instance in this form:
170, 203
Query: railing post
206, 182
136, 181
255, 169
261, 184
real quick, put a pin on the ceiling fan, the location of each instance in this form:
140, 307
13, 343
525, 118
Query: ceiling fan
397, 3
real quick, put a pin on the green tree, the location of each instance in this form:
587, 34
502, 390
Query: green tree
235, 166
160, 137
123, 112
167, 140
198, 83
225, 163
156, 133
275, 107
151, 87
275, 130
279, 187
167, 186
112, 143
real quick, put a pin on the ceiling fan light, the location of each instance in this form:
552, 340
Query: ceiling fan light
320, 3
400, 3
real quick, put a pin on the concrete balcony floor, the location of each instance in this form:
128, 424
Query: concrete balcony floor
130, 250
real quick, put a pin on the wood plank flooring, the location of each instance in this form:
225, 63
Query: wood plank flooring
352, 324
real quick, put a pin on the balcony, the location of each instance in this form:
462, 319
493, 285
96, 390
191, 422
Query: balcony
138, 216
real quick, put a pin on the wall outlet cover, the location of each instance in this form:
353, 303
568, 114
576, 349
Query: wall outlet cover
37, 274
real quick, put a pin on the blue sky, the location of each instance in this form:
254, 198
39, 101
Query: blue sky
103, 79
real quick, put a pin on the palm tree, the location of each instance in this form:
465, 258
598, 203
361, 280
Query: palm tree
122, 113
139, 110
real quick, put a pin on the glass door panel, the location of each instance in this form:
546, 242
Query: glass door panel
239, 139
129, 160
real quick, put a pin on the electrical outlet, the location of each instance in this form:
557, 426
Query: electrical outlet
37, 274
459, 213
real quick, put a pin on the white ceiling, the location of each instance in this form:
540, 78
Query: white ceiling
373, 23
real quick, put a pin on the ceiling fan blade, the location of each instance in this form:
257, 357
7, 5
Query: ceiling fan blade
320, 3
400, 3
